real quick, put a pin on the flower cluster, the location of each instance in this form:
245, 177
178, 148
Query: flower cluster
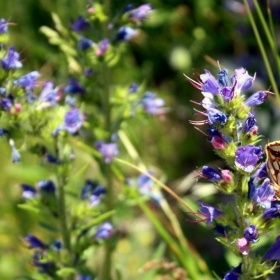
233, 134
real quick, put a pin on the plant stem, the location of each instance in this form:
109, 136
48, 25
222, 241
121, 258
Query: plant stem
107, 267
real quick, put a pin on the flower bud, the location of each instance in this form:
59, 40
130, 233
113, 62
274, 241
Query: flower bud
218, 142
226, 176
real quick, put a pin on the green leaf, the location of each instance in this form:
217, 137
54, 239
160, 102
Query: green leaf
28, 208
66, 271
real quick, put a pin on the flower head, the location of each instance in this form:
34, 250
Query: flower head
74, 87
28, 191
73, 120
48, 94
126, 33
97, 195
3, 26
227, 93
249, 123
108, 151
216, 116
79, 25
15, 154
52, 159
210, 83
47, 186
151, 104
251, 234
272, 212
57, 245
264, 195
141, 12
104, 231
28, 81
273, 253
35, 242
211, 174
209, 212
242, 79
246, 157
234, 273
257, 98
84, 277
6, 104
89, 187
243, 245
102, 47
226, 175
44, 266
12, 60
133, 88
84, 43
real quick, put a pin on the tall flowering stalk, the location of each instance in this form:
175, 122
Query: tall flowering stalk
233, 133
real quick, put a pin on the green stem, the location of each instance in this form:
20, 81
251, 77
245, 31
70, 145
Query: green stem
107, 109
263, 52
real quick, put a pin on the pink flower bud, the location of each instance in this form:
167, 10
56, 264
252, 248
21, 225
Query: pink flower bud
17, 107
243, 245
90, 10
98, 52
254, 130
226, 175
218, 142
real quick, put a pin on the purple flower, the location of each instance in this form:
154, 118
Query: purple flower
97, 195
209, 212
264, 195
28, 191
272, 212
45, 267
243, 245
273, 253
104, 231
73, 120
234, 273
102, 47
3, 131
251, 234
210, 84
3, 91
133, 88
216, 116
227, 93
249, 123
84, 277
84, 43
12, 60
211, 174
151, 104
51, 159
48, 94
126, 33
74, 87
144, 183
88, 72
221, 230
28, 81
6, 104
34, 242
47, 186
89, 187
141, 12
257, 98
241, 79
79, 24
246, 157
108, 151
261, 173
3, 26
15, 154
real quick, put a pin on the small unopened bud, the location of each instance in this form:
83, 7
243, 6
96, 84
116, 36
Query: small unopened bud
226, 175
243, 244
218, 143
90, 10
17, 107
255, 130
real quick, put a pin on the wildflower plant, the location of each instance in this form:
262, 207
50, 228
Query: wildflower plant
233, 133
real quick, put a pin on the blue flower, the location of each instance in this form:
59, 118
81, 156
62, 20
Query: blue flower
47, 186
264, 195
251, 234
3, 26
241, 79
108, 151
28, 191
28, 81
34, 242
73, 120
257, 98
3, 131
3, 91
261, 172
144, 183
84, 277
126, 33
249, 123
211, 174
151, 104
273, 253
48, 94
221, 230
74, 87
88, 72
84, 43
89, 187
216, 116
209, 212
52, 159
44, 266
227, 93
12, 60
246, 157
57, 246
141, 12
133, 88
79, 25
223, 77
234, 273
210, 83
272, 212
104, 231
97, 195
6, 104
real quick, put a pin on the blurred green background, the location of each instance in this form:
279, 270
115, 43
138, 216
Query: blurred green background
181, 36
